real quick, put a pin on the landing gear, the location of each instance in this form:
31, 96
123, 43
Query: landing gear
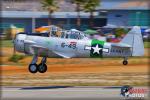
125, 62
42, 67
33, 68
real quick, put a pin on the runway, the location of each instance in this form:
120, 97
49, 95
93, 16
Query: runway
62, 93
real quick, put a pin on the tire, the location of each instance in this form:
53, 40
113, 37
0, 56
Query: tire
42, 68
33, 68
125, 62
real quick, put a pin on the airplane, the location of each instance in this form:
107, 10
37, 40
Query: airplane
75, 44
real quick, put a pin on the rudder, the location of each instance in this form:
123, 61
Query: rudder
134, 38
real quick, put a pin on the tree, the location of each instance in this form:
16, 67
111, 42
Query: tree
120, 31
90, 6
79, 6
51, 6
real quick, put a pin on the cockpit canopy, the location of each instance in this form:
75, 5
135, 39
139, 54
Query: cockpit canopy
68, 34
54, 31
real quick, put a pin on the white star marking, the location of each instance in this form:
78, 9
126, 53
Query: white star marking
96, 49
106, 50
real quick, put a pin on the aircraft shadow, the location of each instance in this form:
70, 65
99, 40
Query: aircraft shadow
112, 87
44, 87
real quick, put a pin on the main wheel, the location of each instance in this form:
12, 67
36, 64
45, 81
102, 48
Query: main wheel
42, 68
33, 68
125, 62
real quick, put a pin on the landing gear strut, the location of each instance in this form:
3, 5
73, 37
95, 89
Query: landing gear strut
42, 67
125, 61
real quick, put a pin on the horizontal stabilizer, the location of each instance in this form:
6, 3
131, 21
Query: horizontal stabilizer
121, 45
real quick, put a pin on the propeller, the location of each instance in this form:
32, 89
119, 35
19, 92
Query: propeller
14, 44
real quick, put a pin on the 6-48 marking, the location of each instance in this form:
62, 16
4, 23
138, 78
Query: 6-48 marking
70, 45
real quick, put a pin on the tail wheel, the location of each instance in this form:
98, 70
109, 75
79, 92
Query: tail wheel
42, 68
125, 62
33, 68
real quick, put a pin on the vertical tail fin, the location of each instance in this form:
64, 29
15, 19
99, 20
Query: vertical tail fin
134, 38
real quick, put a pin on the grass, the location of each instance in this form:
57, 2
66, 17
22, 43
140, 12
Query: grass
9, 43
147, 44
77, 79
11, 82
16, 58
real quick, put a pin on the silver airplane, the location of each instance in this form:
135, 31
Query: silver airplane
75, 44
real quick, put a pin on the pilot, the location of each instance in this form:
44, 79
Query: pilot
58, 33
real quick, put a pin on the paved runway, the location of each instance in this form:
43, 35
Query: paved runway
61, 93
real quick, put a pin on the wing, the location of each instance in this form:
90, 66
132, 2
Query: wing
36, 48
29, 42
64, 55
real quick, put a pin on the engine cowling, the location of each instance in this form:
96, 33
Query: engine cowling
19, 42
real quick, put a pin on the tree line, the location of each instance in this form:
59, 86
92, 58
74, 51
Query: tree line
81, 5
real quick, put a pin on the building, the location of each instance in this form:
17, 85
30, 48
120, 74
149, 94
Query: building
126, 13
29, 14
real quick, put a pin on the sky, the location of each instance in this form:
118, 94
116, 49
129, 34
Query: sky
124, 4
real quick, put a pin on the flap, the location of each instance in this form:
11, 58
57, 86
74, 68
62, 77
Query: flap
64, 55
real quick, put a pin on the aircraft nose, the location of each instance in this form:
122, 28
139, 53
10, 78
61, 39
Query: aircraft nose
14, 39
19, 42
14, 43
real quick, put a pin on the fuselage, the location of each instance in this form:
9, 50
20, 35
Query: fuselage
75, 44
72, 48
